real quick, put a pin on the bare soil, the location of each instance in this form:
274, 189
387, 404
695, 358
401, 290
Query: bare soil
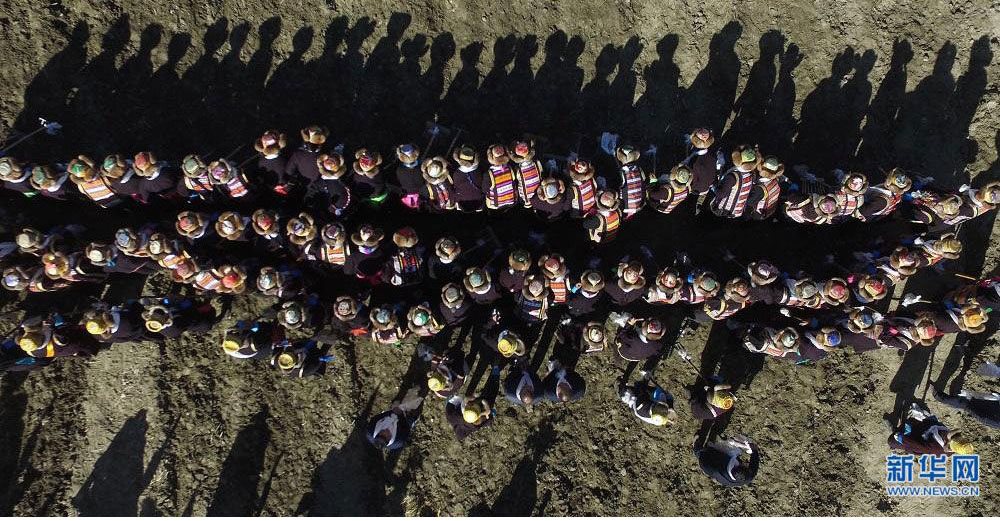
183, 430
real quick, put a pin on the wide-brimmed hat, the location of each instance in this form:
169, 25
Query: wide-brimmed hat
534, 287
419, 316
829, 337
159, 244
434, 170
762, 272
230, 225
626, 154
10, 168
114, 166
897, 181
127, 240
188, 222
82, 169
924, 329
580, 170
836, 291
366, 162
465, 156
702, 137
519, 260
232, 278
144, 164
990, 193
805, 288
826, 205
314, 134
265, 221
268, 278
345, 308
407, 153
405, 237
948, 246
522, 150
331, 166
56, 264
550, 189
193, 166
737, 289
367, 236
872, 288
476, 280
668, 279
497, 155
452, 295
221, 171
631, 268
29, 239
771, 167
706, 282
948, 206
157, 318
292, 315
270, 143
333, 234
607, 200
973, 318
301, 229
509, 344
553, 266
854, 183
786, 339
594, 335
680, 176
382, 318
746, 158
44, 177
904, 261
447, 248
591, 281
99, 254
652, 328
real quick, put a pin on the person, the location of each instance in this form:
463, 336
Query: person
193, 225
468, 414
556, 275
881, 200
480, 287
50, 337
454, 307
811, 208
391, 430
231, 226
583, 188
632, 191
332, 249
587, 300
670, 190
50, 182
438, 192
984, 407
720, 460
629, 284
408, 175
504, 341
297, 360
121, 176
851, 193
468, 179
779, 343
699, 286
499, 186
920, 432
732, 190
763, 199
648, 402
170, 317
15, 176
385, 328
110, 259
549, 201
367, 178
330, 192
420, 320
522, 385
527, 170
532, 303
735, 297
301, 167
512, 277
252, 340
196, 183
562, 383
272, 161
447, 372
818, 343
703, 164
602, 226
365, 261
349, 316
114, 324
639, 339
267, 227
156, 178
229, 179
712, 399
406, 266
444, 265
666, 288
91, 182
281, 282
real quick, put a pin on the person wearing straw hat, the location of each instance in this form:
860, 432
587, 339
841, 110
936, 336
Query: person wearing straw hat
970, 318
331, 249
553, 268
532, 303
300, 231
984, 407
818, 343
15, 176
385, 328
732, 190
283, 283
71, 267
156, 178
454, 306
405, 266
632, 191
331, 191
439, 194
734, 298
93, 183
583, 188
502, 340
562, 383
779, 343
934, 250
41, 338
835, 292
409, 175
420, 320
511, 278
120, 175
881, 200
111, 325
196, 183
467, 179
50, 182
109, 258
604, 224
720, 460
499, 184
229, 179
252, 340
549, 200
350, 316
301, 166
193, 225
33, 242
851, 193
639, 339
527, 170
920, 432
666, 288
648, 402
445, 265
31, 278
468, 414
232, 226
297, 360
712, 399
447, 373
271, 161
266, 224
366, 259
939, 211
812, 208
628, 284
480, 287
169, 317
670, 190
702, 162
587, 300
762, 202
367, 178
699, 285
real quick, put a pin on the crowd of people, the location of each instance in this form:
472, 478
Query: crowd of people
306, 227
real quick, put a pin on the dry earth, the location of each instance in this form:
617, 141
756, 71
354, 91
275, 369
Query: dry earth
183, 430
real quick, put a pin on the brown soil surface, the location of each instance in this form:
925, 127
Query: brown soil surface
184, 430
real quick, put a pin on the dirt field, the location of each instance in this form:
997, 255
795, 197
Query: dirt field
184, 430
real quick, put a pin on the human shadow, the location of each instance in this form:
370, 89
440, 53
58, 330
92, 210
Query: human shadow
236, 494
116, 481
520, 496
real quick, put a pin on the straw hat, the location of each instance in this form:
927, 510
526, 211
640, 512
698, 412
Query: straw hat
367, 236
607, 200
382, 318
836, 292
157, 318
333, 234
301, 229
193, 166
405, 237
293, 315
452, 295
29, 240
668, 279
230, 225
771, 167
99, 254
434, 170
331, 166
534, 287
270, 143
44, 177
626, 154
447, 248
509, 344
221, 171
746, 158
367, 162
497, 155
550, 190
702, 137
762, 273
519, 260
522, 150
652, 328
265, 221
898, 182
737, 289
345, 308
855, 183
476, 280
465, 156
10, 169
553, 266
407, 153
81, 169
591, 281
144, 164
314, 134
580, 170
114, 166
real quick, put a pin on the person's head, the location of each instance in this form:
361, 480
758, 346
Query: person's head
564, 391
436, 381
631, 272
958, 444
662, 415
829, 337
591, 281
722, 399
519, 260
509, 344
527, 393
472, 411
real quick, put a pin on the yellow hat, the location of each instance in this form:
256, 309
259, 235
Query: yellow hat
959, 446
230, 345
436, 381
510, 345
286, 361
31, 340
722, 399
96, 328
662, 415
470, 416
